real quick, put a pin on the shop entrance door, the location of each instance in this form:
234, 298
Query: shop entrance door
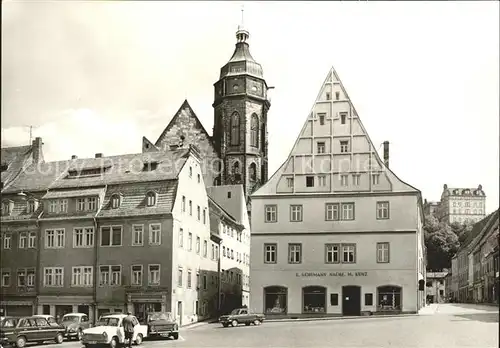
351, 300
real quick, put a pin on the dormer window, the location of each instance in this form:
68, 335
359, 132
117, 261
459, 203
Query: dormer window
7, 207
151, 199
149, 166
86, 204
116, 200
31, 206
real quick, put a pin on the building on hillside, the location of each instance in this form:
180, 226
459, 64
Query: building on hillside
116, 233
465, 261
335, 231
436, 287
15, 159
431, 208
235, 253
462, 204
237, 152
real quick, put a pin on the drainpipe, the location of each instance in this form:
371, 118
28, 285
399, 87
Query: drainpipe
38, 266
96, 274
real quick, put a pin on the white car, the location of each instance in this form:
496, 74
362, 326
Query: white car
109, 331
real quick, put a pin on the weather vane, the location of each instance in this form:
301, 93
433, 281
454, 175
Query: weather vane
242, 14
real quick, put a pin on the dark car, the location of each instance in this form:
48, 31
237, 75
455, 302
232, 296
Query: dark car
75, 323
241, 316
21, 330
162, 324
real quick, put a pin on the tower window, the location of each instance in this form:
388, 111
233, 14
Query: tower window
236, 171
253, 171
254, 131
235, 128
309, 181
343, 117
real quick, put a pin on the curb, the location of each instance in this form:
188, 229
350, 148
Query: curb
340, 318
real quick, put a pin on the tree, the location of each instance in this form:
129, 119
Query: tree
441, 242
462, 230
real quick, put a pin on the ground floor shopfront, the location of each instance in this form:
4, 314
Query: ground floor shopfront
353, 293
18, 306
58, 306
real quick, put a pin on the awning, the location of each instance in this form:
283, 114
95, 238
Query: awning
74, 193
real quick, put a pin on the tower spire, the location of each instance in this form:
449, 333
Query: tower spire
242, 34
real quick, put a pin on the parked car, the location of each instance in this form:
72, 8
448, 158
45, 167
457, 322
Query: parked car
241, 316
75, 323
162, 324
19, 331
109, 331
50, 319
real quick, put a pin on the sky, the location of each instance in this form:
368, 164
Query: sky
98, 76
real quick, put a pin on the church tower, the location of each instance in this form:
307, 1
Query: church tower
240, 119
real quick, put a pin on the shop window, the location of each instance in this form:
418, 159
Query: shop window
334, 299
275, 299
389, 298
314, 299
368, 299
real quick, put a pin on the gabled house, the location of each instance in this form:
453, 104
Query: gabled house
14, 159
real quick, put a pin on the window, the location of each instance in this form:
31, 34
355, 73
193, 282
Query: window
204, 216
53, 276
252, 169
198, 213
271, 213
295, 213
154, 275
179, 277
322, 180
368, 299
111, 236
382, 210
5, 278
199, 178
347, 211
205, 248
383, 252
6, 208
82, 276
332, 253
154, 234
294, 253
110, 275
137, 235
344, 146
320, 147
224, 251
375, 179
348, 253
26, 277
53, 206
309, 181
136, 276
337, 95
356, 178
115, 201
83, 237
254, 131
235, 128
205, 283
30, 207
54, 239
190, 172
389, 298
343, 117
197, 245
183, 203
289, 182
191, 208
332, 211
334, 299
213, 252
181, 238
314, 299
151, 199
32, 240
328, 96
189, 280
344, 179
7, 241
321, 119
270, 253
23, 240
275, 299
190, 241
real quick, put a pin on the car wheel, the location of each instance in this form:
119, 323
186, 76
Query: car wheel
113, 343
138, 340
80, 335
59, 338
234, 323
256, 322
175, 335
21, 342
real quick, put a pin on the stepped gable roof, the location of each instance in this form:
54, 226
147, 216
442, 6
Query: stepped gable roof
90, 172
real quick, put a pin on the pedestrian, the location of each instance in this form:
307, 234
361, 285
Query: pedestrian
129, 322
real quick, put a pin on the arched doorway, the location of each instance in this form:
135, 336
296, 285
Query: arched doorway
314, 299
275, 299
389, 298
351, 300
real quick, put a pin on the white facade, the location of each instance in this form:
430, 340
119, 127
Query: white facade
334, 231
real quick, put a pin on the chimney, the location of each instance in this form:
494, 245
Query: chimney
74, 157
36, 147
98, 155
386, 153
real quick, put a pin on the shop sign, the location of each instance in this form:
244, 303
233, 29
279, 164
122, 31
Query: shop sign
331, 274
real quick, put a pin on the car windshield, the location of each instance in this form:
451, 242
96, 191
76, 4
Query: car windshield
108, 321
9, 322
160, 316
71, 318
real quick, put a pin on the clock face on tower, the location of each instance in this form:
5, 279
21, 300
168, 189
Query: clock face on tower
256, 88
